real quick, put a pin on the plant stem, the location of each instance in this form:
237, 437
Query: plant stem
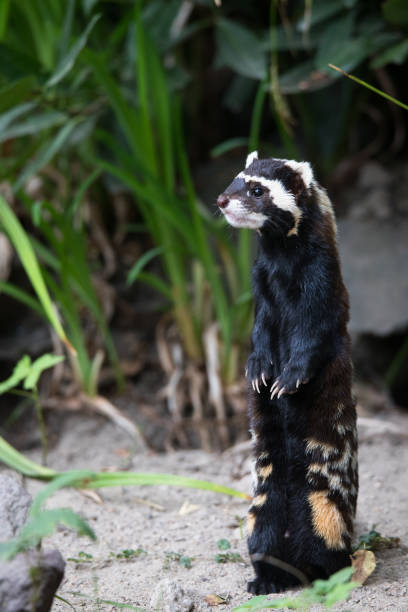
368, 86
41, 423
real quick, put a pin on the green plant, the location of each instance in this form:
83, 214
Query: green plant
227, 557
161, 182
85, 479
223, 544
42, 522
373, 540
327, 592
28, 373
182, 560
11, 225
65, 275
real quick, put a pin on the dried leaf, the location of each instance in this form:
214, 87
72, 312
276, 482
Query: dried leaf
93, 495
363, 562
215, 600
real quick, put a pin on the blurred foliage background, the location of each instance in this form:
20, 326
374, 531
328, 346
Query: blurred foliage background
119, 124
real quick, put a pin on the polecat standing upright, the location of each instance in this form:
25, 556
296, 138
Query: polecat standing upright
302, 415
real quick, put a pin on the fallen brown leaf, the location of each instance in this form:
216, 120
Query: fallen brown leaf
363, 562
216, 600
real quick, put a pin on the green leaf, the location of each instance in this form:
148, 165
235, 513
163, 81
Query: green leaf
321, 10
4, 13
42, 525
12, 94
223, 544
396, 12
22, 296
334, 38
68, 61
396, 54
67, 479
14, 113
38, 366
11, 225
228, 145
33, 125
346, 56
240, 49
46, 153
19, 373
16, 64
11, 457
94, 480
141, 263
81, 191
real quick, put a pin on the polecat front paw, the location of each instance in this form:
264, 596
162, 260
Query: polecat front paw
258, 370
289, 381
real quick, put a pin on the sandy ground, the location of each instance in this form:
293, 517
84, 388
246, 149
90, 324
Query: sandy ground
151, 519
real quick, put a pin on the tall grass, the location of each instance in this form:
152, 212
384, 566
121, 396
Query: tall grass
64, 277
153, 163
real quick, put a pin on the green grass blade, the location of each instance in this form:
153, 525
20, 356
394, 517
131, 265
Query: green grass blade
14, 112
66, 479
203, 246
127, 116
11, 457
371, 87
142, 71
94, 480
136, 269
228, 145
25, 251
13, 94
4, 13
33, 125
114, 479
46, 153
81, 191
115, 604
21, 296
69, 59
157, 283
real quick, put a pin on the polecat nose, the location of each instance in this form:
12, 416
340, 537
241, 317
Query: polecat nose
222, 200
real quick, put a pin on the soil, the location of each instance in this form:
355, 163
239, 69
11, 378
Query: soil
168, 523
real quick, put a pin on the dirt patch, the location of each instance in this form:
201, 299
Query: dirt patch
168, 528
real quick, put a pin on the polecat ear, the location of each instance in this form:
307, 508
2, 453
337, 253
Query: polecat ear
304, 169
250, 158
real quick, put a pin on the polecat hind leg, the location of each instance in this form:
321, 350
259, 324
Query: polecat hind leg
268, 516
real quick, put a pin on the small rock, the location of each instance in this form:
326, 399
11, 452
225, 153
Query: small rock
28, 583
373, 254
372, 203
15, 503
168, 596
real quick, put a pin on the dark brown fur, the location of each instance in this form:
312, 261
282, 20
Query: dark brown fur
305, 439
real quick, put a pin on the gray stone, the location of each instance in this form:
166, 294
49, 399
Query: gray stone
372, 175
374, 204
28, 583
15, 503
168, 596
374, 257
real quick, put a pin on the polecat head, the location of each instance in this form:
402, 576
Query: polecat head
267, 195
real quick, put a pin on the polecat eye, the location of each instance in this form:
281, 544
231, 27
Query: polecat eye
257, 192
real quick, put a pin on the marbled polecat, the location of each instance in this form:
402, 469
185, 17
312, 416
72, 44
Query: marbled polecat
302, 415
